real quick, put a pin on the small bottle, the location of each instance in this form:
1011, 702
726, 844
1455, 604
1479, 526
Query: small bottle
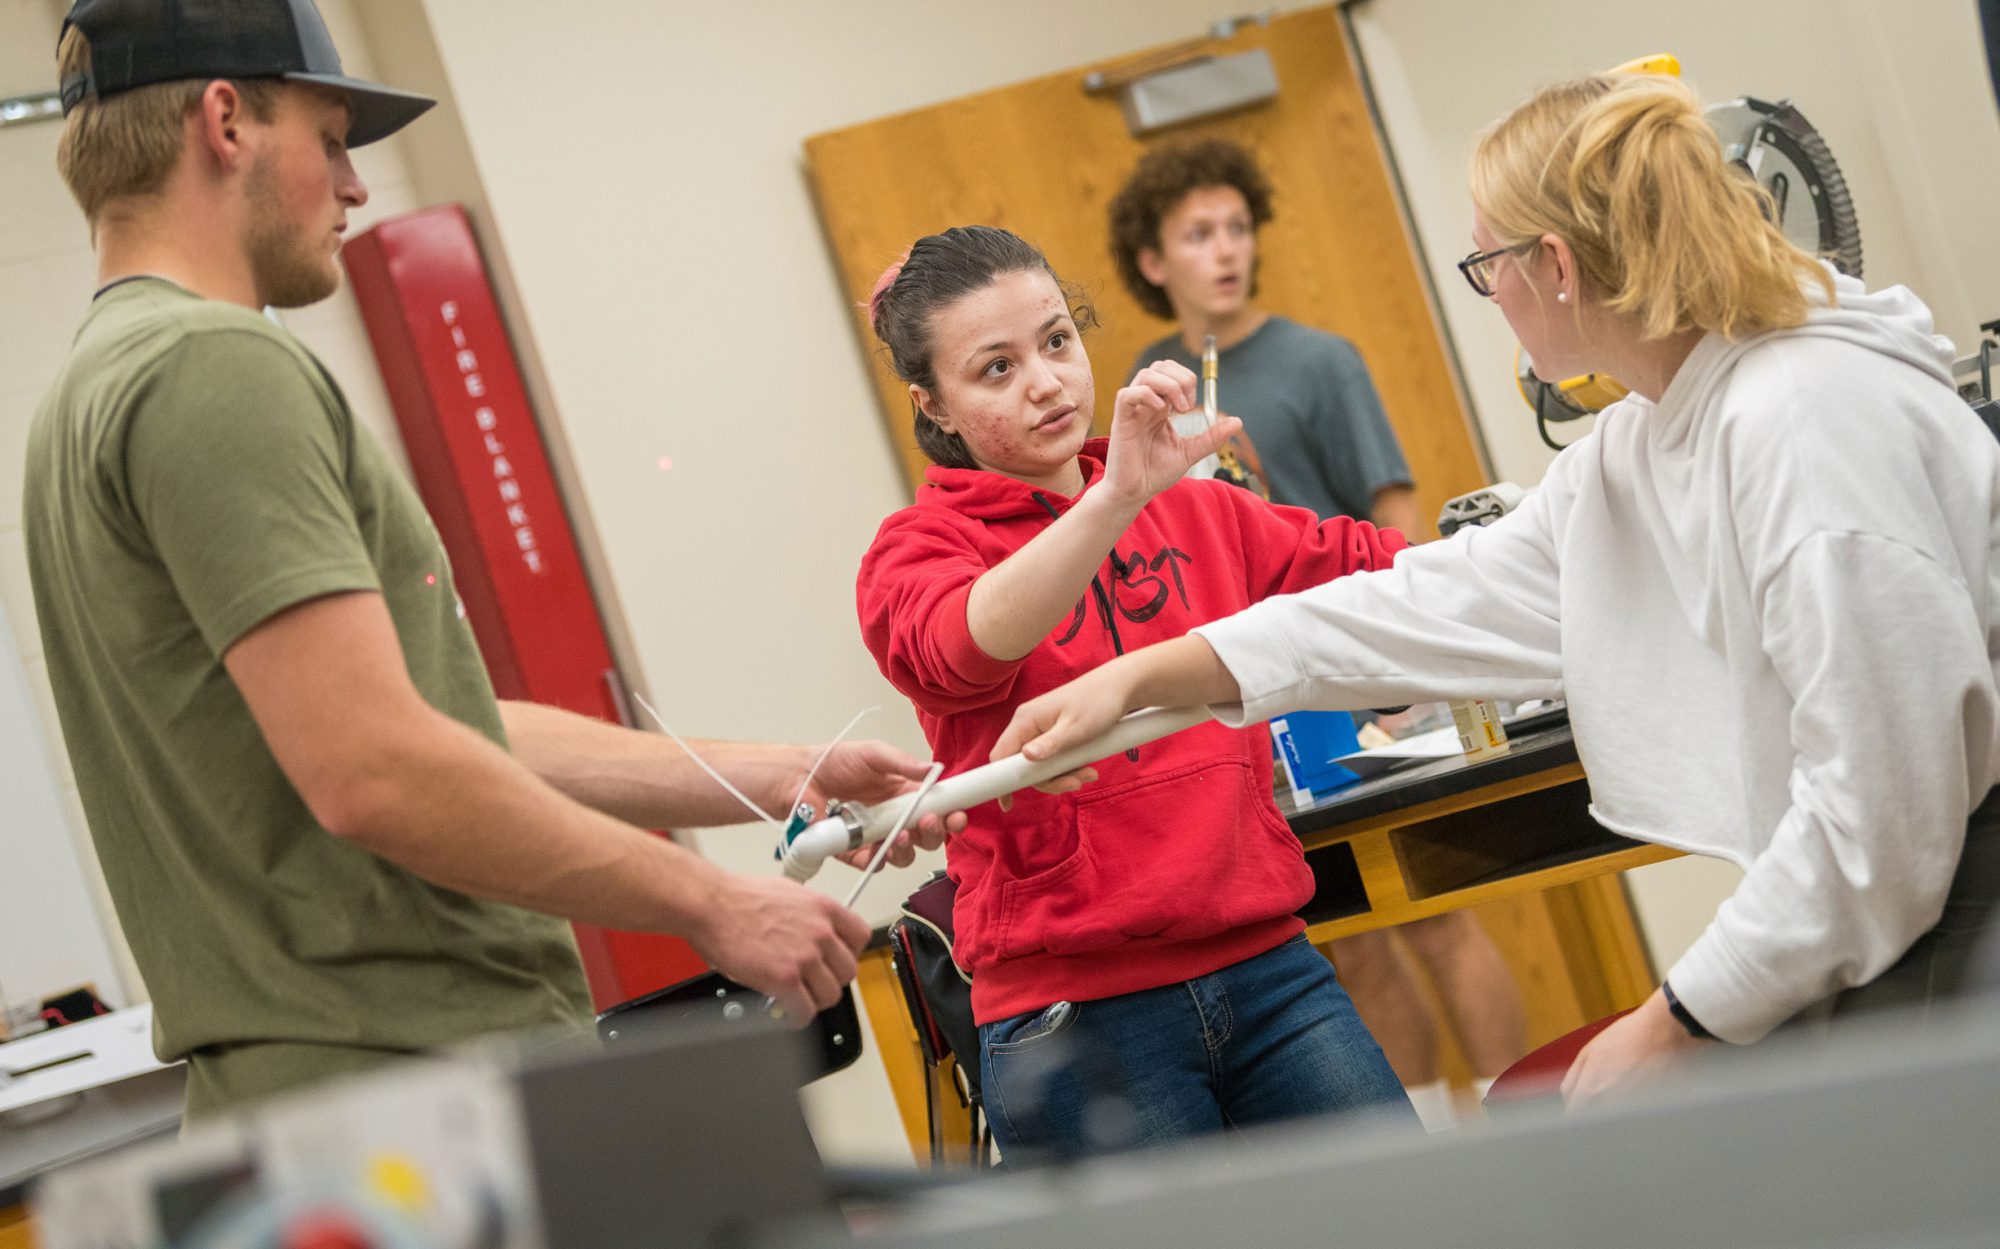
1480, 733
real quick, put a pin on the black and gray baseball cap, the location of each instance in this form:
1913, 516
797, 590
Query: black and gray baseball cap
134, 43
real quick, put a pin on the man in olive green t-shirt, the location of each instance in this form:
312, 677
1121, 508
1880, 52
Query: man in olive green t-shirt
321, 849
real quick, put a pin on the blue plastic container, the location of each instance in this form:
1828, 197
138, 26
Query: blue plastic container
1308, 742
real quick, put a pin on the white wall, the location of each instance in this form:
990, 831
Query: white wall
51, 937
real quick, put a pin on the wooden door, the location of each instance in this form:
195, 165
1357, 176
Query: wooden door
1044, 158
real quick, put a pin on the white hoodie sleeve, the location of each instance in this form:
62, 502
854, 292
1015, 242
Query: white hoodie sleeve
1477, 616
1893, 707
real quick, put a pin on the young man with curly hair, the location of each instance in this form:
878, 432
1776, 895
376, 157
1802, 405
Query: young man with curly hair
1184, 235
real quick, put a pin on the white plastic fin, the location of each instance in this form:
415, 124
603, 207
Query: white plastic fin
824, 752
882, 855
702, 763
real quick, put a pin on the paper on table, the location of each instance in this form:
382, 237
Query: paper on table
1436, 744
82, 1055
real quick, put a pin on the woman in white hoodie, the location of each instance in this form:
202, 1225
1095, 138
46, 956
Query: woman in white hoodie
1766, 582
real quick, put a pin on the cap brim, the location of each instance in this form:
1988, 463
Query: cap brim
378, 111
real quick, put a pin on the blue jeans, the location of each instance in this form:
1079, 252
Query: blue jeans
1272, 1037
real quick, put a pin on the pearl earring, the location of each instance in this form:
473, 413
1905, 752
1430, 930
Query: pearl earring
1562, 297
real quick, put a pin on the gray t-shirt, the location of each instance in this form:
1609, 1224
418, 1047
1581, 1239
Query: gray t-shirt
1306, 401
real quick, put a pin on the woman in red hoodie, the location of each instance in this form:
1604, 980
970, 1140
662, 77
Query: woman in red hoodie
1139, 974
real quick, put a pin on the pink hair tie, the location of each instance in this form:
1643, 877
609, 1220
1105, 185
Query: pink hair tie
882, 285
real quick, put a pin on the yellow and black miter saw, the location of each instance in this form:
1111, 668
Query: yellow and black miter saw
1773, 144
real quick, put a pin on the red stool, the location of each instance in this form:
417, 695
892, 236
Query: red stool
1539, 1075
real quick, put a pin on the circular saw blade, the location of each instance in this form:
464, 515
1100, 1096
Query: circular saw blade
1775, 144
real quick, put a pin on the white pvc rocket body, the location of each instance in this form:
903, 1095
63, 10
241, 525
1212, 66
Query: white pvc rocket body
847, 827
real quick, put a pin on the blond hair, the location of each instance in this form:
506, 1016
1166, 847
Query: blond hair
1624, 168
125, 146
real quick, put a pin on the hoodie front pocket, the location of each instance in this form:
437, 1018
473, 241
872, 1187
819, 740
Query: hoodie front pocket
1186, 854
1056, 899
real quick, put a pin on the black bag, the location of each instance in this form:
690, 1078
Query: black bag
938, 993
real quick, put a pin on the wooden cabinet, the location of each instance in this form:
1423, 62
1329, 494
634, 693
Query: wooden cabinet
1511, 839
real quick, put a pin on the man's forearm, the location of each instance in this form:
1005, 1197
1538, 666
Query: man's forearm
385, 771
459, 812
644, 778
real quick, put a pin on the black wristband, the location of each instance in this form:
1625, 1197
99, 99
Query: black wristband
1683, 1016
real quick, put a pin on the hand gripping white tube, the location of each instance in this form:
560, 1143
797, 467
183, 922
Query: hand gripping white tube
847, 827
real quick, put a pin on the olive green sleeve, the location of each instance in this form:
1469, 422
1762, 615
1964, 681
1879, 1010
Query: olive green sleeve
235, 464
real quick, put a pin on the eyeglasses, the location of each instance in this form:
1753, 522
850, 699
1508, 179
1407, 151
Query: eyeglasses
1478, 267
